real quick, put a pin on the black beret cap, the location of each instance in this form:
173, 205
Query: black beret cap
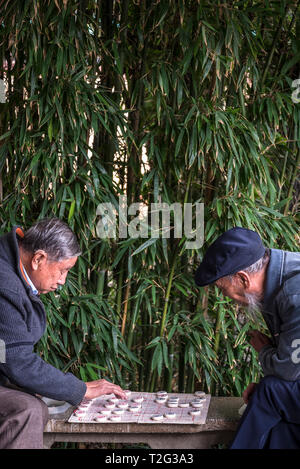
233, 251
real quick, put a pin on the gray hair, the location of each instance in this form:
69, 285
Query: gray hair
260, 264
52, 236
256, 267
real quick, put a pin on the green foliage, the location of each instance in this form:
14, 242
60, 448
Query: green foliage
178, 101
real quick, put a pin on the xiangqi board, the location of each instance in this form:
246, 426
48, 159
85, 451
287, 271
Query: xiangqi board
143, 407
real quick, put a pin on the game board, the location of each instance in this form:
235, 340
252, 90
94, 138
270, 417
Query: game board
89, 410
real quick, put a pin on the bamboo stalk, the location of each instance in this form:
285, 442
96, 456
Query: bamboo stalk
216, 343
126, 303
130, 337
283, 57
190, 380
119, 291
283, 173
169, 374
181, 367
167, 298
295, 175
169, 286
153, 381
242, 100
271, 53
101, 283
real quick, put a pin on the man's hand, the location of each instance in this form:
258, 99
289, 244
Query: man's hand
100, 387
258, 340
248, 392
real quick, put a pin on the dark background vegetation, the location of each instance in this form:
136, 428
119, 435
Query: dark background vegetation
171, 101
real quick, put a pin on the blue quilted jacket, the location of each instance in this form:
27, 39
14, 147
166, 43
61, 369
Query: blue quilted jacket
281, 311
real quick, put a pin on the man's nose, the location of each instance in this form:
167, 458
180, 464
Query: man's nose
62, 279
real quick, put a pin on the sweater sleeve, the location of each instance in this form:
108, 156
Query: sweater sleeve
25, 368
284, 360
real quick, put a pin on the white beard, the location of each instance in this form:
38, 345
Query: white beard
254, 305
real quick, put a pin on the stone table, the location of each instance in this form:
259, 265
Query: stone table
221, 423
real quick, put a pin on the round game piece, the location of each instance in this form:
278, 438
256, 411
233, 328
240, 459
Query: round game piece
123, 405
157, 417
172, 404
184, 404
173, 399
110, 405
118, 412
170, 415
161, 393
106, 412
195, 412
115, 418
114, 400
134, 408
196, 404
127, 392
199, 394
100, 418
160, 401
138, 400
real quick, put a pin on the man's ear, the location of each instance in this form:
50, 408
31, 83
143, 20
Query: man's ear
39, 258
243, 279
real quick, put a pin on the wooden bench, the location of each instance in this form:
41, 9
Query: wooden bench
220, 426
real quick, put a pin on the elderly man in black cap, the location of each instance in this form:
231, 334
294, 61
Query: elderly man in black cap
267, 279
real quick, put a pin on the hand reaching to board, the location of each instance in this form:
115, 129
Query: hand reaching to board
100, 387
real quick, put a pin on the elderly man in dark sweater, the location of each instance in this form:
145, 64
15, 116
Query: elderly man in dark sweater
34, 263
268, 279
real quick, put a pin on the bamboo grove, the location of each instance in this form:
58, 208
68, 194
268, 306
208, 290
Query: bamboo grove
172, 101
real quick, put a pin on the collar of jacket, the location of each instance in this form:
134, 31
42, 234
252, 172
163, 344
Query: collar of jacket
16, 233
273, 279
